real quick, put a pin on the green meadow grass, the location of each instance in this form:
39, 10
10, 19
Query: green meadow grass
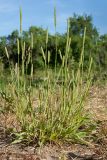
55, 110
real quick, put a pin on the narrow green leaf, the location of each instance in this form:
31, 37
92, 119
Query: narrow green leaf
20, 20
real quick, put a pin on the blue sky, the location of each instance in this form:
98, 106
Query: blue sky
40, 13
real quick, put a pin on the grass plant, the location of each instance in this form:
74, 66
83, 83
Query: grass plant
54, 111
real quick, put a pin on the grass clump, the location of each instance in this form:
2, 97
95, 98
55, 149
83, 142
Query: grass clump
55, 110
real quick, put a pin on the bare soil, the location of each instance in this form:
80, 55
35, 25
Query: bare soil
97, 150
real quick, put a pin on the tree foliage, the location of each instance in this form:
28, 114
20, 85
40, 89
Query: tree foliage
95, 44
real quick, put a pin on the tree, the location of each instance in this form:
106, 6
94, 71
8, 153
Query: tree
77, 25
102, 51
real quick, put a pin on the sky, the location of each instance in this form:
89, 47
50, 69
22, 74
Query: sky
41, 13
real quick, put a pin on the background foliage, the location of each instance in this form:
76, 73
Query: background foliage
95, 45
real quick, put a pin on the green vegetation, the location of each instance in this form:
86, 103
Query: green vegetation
95, 45
52, 110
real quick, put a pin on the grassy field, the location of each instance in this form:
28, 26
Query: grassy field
49, 106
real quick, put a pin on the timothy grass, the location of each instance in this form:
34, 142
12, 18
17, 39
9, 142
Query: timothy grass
55, 111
